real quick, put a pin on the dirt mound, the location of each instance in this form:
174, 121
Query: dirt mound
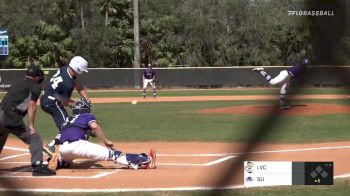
310, 109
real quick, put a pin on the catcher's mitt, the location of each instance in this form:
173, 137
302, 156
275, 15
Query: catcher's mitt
52, 165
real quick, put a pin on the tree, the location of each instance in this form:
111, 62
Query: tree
108, 7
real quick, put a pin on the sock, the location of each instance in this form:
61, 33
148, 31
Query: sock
267, 76
283, 100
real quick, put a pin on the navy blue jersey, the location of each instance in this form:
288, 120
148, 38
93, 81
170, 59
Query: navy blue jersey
61, 85
296, 70
149, 73
77, 127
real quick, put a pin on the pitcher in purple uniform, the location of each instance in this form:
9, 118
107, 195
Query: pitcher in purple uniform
284, 78
74, 142
149, 78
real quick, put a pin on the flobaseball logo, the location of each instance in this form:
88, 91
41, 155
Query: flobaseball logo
311, 13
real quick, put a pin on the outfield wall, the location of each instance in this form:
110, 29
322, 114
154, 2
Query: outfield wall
193, 77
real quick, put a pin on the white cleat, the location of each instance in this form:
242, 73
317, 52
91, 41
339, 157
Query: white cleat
258, 69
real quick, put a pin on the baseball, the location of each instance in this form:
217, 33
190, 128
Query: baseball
134, 102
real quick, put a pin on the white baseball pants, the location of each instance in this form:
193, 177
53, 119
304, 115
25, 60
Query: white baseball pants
148, 81
281, 78
87, 150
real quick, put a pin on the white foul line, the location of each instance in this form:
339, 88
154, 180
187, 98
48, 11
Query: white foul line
14, 156
296, 150
257, 152
220, 160
195, 155
100, 175
17, 149
342, 176
124, 189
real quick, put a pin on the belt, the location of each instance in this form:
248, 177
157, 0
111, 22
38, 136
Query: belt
71, 141
14, 109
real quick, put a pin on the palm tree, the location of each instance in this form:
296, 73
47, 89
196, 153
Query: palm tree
108, 7
81, 4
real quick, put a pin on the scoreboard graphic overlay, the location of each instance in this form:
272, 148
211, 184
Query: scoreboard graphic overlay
272, 173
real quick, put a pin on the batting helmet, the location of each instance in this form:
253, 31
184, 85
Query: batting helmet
78, 64
82, 106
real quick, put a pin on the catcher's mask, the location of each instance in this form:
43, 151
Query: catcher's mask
82, 106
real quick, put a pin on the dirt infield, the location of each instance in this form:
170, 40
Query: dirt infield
181, 165
310, 109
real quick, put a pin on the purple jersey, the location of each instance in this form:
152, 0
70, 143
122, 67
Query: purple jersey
77, 127
296, 70
149, 73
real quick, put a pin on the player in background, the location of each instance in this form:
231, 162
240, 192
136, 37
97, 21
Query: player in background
74, 142
149, 78
59, 91
284, 78
19, 101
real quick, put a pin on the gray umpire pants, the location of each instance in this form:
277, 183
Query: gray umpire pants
22, 132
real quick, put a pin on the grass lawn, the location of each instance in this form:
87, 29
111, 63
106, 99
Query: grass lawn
213, 92
179, 121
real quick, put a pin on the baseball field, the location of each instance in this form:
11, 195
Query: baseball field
202, 138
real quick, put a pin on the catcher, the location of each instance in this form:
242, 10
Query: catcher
284, 78
74, 143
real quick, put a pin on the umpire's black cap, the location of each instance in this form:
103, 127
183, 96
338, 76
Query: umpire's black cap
34, 71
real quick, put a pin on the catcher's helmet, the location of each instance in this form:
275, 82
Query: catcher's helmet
78, 64
82, 106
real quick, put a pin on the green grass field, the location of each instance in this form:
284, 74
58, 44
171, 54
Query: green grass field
212, 92
180, 121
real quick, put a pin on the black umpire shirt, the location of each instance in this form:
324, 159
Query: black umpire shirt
15, 102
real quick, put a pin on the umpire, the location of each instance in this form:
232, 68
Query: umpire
20, 100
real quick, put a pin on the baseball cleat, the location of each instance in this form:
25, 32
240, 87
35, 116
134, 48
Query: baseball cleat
258, 69
153, 157
42, 170
284, 107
